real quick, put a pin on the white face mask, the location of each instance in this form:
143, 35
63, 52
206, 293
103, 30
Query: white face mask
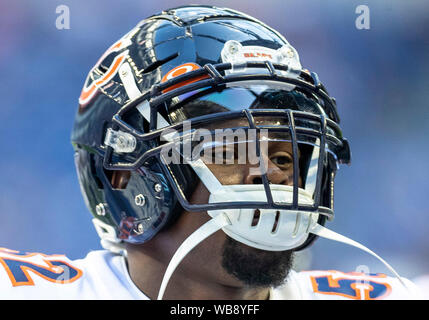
273, 230
292, 227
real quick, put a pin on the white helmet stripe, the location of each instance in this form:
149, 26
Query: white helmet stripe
128, 81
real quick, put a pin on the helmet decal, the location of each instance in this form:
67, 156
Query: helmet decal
90, 89
92, 83
181, 70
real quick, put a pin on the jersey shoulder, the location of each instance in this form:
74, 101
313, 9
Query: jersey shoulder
422, 282
34, 275
337, 285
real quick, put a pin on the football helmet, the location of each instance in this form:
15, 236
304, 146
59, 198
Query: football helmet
152, 104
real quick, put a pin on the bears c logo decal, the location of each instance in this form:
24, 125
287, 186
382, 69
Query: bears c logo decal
91, 87
89, 91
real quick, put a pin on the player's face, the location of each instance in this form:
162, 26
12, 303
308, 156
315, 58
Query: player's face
237, 163
252, 267
278, 159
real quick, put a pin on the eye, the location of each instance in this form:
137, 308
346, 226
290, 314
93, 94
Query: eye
281, 159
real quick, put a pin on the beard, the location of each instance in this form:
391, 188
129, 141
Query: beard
256, 268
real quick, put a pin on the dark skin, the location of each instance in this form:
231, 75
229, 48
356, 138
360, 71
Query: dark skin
201, 275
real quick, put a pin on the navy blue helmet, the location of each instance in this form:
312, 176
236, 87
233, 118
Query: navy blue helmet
199, 65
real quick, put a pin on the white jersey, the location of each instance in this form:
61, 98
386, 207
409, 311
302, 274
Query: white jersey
423, 283
104, 275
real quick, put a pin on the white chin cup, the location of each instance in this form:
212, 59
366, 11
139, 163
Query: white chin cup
289, 231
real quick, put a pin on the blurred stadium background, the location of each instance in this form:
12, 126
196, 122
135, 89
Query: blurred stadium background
379, 77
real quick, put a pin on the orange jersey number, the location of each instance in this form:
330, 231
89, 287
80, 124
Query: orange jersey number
351, 285
20, 268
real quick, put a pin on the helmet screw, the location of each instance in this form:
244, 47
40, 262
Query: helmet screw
233, 46
121, 142
140, 228
140, 200
287, 52
157, 187
100, 209
124, 73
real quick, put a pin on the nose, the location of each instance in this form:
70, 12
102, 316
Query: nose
274, 174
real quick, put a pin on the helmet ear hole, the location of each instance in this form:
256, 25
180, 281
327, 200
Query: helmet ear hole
118, 178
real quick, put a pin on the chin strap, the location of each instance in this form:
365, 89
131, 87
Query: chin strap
329, 234
191, 242
222, 220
